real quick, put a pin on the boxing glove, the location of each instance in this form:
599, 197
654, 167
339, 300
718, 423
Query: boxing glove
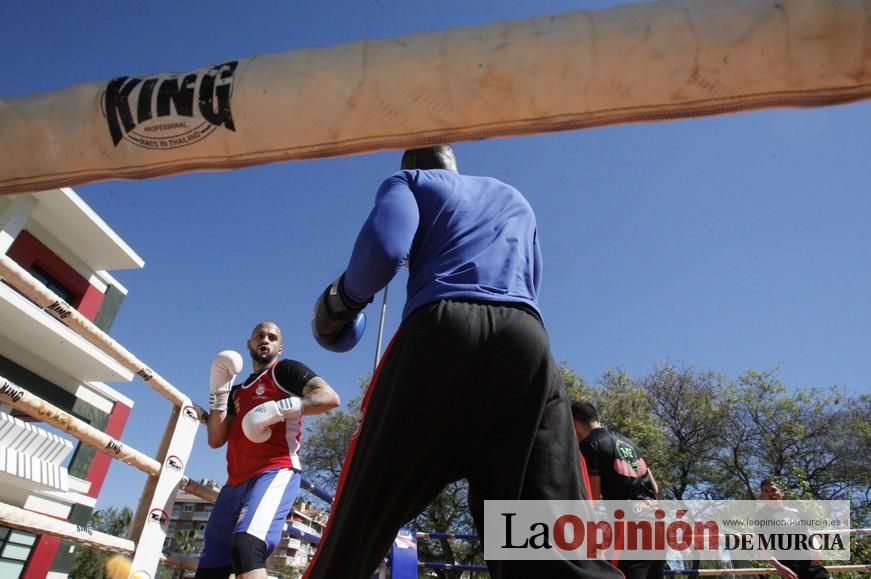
257, 422
225, 367
338, 322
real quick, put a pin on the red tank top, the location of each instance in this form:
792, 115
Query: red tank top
246, 459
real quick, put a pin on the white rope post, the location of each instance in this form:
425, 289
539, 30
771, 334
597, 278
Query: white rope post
151, 536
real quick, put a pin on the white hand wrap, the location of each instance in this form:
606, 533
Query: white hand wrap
225, 367
291, 406
256, 424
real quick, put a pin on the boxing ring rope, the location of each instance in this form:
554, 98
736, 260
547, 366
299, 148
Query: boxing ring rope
184, 410
20, 279
37, 523
21, 399
553, 73
24, 401
32, 522
166, 472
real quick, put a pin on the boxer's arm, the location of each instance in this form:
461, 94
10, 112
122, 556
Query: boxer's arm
385, 239
218, 427
299, 380
318, 397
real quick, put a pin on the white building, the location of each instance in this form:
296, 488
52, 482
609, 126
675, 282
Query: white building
61, 241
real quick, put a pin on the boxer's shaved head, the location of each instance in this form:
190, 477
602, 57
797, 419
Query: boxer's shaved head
438, 157
264, 345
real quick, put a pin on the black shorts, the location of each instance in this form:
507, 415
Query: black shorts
465, 390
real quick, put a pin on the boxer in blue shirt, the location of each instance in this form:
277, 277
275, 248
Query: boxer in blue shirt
468, 388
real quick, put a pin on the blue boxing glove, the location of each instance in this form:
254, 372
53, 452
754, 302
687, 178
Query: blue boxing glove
338, 322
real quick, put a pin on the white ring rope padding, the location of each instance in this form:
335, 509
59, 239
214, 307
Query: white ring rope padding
640, 62
199, 490
30, 521
34, 522
23, 400
27, 402
20, 279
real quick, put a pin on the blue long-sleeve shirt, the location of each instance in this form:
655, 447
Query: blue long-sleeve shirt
463, 237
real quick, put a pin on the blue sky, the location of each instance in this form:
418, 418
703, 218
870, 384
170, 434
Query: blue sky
726, 243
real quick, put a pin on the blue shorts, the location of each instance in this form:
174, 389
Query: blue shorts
258, 506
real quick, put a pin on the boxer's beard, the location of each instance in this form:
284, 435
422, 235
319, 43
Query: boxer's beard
261, 358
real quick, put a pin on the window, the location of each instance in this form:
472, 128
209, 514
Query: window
48, 281
188, 508
52, 271
15, 547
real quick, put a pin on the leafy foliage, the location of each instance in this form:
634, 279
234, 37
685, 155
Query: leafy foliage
88, 562
704, 435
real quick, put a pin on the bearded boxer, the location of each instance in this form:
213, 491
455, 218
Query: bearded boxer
468, 387
260, 421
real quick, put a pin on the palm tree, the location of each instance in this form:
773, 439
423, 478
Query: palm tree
186, 541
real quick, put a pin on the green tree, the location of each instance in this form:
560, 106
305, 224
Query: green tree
327, 439
186, 541
576, 385
448, 513
89, 562
813, 440
688, 409
285, 571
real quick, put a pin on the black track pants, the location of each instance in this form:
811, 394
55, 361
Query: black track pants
465, 390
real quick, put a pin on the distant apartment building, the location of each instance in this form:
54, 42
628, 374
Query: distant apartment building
62, 242
187, 524
293, 551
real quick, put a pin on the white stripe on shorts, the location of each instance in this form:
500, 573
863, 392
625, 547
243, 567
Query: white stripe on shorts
265, 513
